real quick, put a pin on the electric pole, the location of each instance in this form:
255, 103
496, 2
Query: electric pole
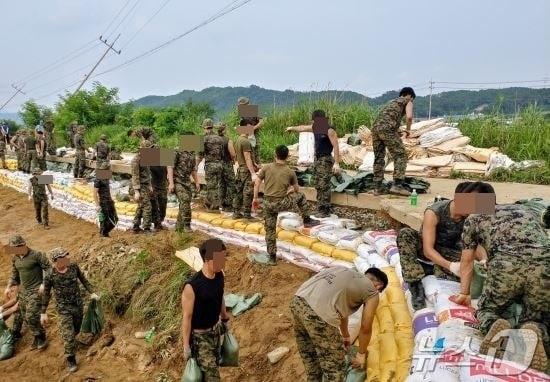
430, 107
109, 48
17, 91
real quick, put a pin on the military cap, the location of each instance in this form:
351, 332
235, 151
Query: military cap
243, 101
17, 240
207, 123
103, 137
58, 253
146, 144
221, 126
36, 170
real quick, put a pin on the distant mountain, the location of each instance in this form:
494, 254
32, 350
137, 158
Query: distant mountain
11, 116
447, 103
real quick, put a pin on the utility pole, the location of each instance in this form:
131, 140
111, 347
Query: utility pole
109, 48
430, 107
17, 91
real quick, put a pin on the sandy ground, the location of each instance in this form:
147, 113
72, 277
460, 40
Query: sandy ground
258, 331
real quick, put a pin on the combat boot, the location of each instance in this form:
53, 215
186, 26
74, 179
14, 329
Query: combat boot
489, 342
398, 189
378, 189
540, 358
417, 294
41, 342
71, 363
16, 337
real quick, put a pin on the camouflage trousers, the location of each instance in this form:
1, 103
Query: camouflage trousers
320, 344
50, 143
523, 277
184, 195
41, 209
414, 263
322, 168
31, 160
206, 350
79, 164
70, 321
102, 163
227, 186
20, 160
144, 211
292, 202
42, 164
110, 217
2, 159
256, 149
29, 311
244, 192
213, 173
382, 139
158, 204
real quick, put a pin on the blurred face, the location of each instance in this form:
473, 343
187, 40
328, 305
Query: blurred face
377, 283
62, 263
217, 263
20, 250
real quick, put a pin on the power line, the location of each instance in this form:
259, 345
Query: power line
144, 25
114, 18
17, 91
61, 78
124, 18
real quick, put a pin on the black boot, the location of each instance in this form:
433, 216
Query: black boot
71, 363
16, 337
41, 342
418, 296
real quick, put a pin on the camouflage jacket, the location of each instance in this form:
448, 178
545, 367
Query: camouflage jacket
65, 287
184, 165
141, 175
102, 150
213, 148
79, 142
389, 118
38, 190
27, 270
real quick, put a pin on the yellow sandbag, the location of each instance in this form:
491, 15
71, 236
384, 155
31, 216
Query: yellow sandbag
287, 235
207, 217
228, 223
385, 320
240, 226
195, 215
254, 227
217, 222
322, 248
383, 300
402, 320
342, 254
395, 295
373, 364
405, 345
403, 370
388, 347
304, 241
392, 276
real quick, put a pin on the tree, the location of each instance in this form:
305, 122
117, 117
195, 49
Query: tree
32, 113
143, 116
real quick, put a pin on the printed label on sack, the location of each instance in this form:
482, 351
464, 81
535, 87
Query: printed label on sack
461, 313
502, 371
424, 321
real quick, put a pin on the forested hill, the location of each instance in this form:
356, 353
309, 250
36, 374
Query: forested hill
447, 103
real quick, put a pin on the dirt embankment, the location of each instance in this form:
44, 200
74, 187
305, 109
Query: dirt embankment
258, 331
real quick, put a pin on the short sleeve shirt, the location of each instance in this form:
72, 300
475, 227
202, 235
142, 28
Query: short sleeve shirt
241, 146
278, 178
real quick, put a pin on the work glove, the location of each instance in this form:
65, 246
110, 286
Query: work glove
186, 352
336, 168
137, 196
454, 267
41, 289
254, 177
358, 362
94, 296
43, 319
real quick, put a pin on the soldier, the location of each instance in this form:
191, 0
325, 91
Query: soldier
204, 315
320, 309
3, 143
227, 181
255, 137
41, 149
385, 134
63, 278
80, 158
143, 133
179, 182
50, 138
159, 181
27, 268
436, 249
518, 269
37, 192
213, 167
143, 190
105, 205
102, 153
72, 132
31, 158
281, 193
244, 181
324, 165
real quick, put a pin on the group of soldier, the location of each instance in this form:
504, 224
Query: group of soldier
30, 146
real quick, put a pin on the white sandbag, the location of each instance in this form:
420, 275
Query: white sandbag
481, 368
425, 329
284, 246
377, 261
438, 136
455, 334
447, 371
349, 224
432, 286
354, 324
350, 243
364, 250
291, 224
333, 236
306, 148
341, 264
287, 215
370, 237
498, 160
368, 162
361, 264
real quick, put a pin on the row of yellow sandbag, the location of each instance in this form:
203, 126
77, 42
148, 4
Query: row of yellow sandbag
289, 236
11, 164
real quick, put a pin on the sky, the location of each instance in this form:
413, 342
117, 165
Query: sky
361, 45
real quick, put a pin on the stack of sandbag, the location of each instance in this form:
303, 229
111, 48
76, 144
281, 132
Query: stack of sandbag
440, 135
289, 221
423, 127
306, 149
385, 244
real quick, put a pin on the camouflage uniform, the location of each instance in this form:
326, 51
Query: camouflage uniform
322, 168
184, 166
159, 200
50, 140
69, 303
102, 154
17, 142
80, 158
72, 131
254, 138
213, 167
27, 272
2, 151
110, 217
319, 344
227, 181
205, 348
31, 157
141, 181
147, 134
40, 200
41, 156
447, 242
385, 134
518, 249
244, 192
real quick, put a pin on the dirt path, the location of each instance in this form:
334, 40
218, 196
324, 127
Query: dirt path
258, 331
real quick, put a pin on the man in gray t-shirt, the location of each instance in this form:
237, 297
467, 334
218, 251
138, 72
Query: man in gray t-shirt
321, 308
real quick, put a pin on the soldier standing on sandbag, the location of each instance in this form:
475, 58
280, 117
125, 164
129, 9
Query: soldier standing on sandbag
71, 131
437, 248
255, 137
385, 134
245, 178
143, 190
3, 144
227, 181
80, 157
159, 181
281, 193
518, 270
27, 274
320, 309
64, 278
324, 165
31, 159
41, 149
213, 167
205, 318
37, 192
103, 153
179, 182
104, 204
50, 139
17, 145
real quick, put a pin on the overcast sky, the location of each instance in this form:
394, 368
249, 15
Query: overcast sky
362, 45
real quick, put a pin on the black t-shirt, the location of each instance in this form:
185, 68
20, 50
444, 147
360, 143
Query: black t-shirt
103, 190
208, 300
